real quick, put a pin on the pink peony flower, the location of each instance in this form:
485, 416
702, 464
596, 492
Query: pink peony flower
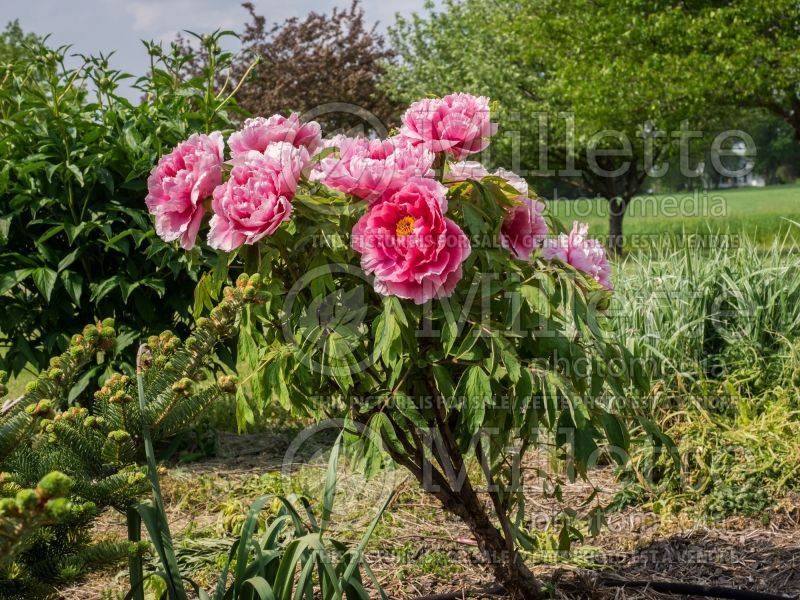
257, 197
258, 133
368, 169
457, 124
524, 228
180, 182
465, 169
586, 255
409, 245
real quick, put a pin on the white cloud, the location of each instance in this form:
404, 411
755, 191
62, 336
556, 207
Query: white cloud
156, 18
144, 15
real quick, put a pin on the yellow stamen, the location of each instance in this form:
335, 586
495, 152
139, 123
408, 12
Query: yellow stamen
405, 226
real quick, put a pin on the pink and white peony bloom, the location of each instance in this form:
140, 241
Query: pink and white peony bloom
408, 244
584, 254
180, 182
258, 133
457, 124
291, 160
465, 169
524, 229
368, 169
257, 197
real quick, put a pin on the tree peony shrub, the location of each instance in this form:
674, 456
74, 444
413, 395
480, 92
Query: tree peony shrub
428, 303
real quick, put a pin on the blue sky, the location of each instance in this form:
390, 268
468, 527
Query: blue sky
92, 26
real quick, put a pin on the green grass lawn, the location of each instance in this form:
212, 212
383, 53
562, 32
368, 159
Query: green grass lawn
760, 213
16, 385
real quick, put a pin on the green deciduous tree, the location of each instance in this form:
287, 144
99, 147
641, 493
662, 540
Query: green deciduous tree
752, 51
775, 153
14, 43
607, 89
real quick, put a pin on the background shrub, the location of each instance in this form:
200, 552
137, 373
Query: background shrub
76, 243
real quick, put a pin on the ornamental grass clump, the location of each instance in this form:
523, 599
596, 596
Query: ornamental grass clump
430, 304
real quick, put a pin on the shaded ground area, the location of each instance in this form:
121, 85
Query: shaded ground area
417, 549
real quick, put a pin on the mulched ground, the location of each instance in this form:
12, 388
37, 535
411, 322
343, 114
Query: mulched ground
419, 550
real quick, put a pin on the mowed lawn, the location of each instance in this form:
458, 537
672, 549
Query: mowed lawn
703, 217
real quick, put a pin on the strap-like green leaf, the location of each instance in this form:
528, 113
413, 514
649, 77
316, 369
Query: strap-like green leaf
329, 493
248, 529
261, 587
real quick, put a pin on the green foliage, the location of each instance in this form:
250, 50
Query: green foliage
22, 513
749, 50
736, 461
13, 42
44, 536
100, 446
76, 243
723, 313
18, 417
778, 156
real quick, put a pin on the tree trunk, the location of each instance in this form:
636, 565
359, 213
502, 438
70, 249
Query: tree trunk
795, 119
506, 563
500, 553
454, 489
616, 213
